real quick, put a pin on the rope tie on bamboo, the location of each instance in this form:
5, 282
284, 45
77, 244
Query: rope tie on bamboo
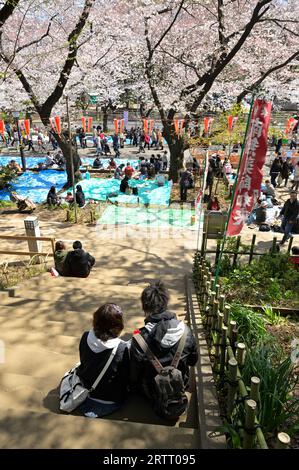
251, 431
242, 399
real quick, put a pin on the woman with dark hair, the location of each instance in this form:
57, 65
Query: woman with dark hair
213, 204
80, 196
59, 256
96, 347
52, 198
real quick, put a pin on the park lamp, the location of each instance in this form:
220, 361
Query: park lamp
16, 115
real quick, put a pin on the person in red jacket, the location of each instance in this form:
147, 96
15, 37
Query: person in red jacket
129, 170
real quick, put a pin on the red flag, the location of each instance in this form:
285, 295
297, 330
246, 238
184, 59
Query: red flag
89, 124
145, 126
290, 124
83, 120
116, 125
176, 125
2, 127
206, 122
250, 173
27, 127
58, 124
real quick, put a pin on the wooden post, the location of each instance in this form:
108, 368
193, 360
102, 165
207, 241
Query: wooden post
223, 349
221, 302
237, 251
210, 310
255, 389
274, 242
231, 327
217, 290
203, 244
283, 440
232, 385
252, 247
290, 244
241, 354
249, 434
215, 313
226, 317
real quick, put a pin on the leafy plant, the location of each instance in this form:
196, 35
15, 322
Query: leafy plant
279, 409
7, 177
272, 317
250, 324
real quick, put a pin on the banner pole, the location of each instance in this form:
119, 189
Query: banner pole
203, 191
233, 195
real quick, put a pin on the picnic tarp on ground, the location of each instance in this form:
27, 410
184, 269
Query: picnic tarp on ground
99, 189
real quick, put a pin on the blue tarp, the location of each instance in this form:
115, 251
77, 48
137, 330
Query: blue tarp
35, 186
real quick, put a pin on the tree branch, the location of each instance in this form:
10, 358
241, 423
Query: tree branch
70, 60
265, 75
7, 10
170, 26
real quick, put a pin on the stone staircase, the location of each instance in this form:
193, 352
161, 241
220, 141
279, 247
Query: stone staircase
41, 323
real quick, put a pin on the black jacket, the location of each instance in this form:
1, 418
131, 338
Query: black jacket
276, 166
162, 333
78, 263
94, 354
80, 198
290, 210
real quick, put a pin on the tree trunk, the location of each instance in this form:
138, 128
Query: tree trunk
105, 119
176, 149
63, 142
65, 147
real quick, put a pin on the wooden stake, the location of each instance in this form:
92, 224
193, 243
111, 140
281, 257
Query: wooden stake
249, 435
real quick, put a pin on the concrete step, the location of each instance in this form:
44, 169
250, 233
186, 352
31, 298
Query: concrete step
67, 324
34, 430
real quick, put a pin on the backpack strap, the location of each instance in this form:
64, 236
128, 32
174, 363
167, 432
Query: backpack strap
152, 358
177, 356
104, 370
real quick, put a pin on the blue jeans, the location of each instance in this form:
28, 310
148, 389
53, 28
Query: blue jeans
287, 227
97, 409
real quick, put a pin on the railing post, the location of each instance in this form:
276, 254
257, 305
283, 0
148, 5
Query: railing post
249, 431
223, 349
232, 385
283, 440
255, 389
252, 248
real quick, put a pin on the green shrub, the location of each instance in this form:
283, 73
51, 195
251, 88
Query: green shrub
250, 324
279, 409
7, 177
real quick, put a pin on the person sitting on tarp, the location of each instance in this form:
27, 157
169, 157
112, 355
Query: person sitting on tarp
52, 198
80, 196
97, 163
49, 161
124, 185
129, 171
78, 263
13, 165
259, 213
118, 174
160, 180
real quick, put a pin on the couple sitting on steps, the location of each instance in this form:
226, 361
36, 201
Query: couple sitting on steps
133, 367
75, 263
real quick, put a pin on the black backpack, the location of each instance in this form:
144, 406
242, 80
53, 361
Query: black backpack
169, 397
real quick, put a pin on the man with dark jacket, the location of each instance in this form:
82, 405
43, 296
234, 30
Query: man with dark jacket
78, 263
162, 333
275, 170
290, 213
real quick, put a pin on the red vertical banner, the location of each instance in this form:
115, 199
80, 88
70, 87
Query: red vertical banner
176, 126
122, 125
89, 127
145, 126
181, 125
2, 127
230, 123
58, 124
83, 120
206, 122
152, 123
115, 121
27, 127
250, 174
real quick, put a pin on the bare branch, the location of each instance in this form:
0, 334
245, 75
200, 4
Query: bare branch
170, 26
266, 74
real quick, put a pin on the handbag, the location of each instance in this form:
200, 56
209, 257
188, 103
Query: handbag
72, 391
